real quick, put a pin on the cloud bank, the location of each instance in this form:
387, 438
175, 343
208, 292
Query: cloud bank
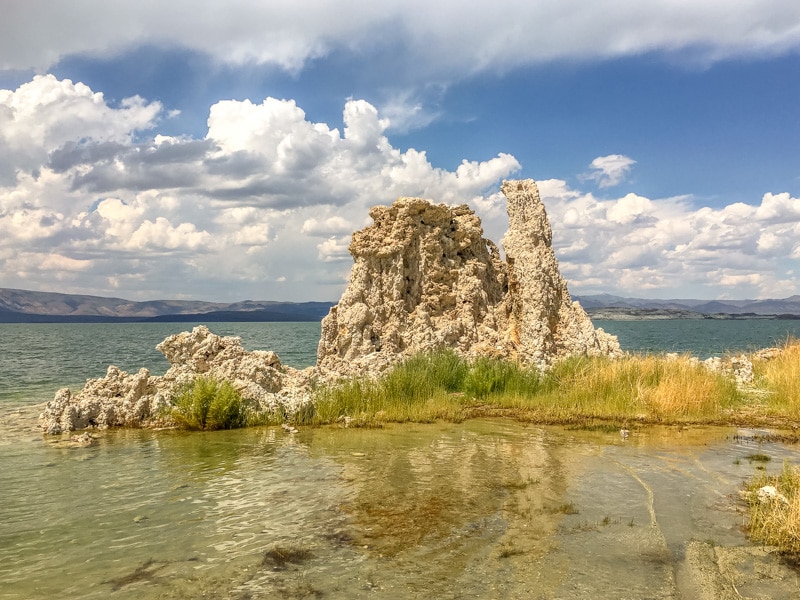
94, 200
441, 38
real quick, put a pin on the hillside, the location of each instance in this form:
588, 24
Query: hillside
23, 306
609, 306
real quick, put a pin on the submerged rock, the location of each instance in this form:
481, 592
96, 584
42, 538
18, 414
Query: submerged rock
425, 278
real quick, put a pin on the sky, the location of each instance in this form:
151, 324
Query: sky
224, 151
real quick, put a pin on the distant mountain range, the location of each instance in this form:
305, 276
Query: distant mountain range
608, 305
22, 306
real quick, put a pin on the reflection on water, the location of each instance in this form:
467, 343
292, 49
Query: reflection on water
484, 509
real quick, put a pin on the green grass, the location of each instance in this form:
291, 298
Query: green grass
209, 404
776, 522
580, 391
445, 386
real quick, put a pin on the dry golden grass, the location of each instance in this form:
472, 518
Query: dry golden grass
780, 377
776, 521
444, 387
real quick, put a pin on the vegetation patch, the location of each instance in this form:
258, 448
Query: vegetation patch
780, 378
774, 503
279, 557
206, 403
758, 457
596, 392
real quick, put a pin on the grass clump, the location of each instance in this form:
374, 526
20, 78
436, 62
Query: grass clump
421, 389
644, 388
206, 403
780, 377
775, 517
444, 385
489, 377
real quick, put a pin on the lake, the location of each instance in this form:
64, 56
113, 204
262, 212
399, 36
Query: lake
482, 509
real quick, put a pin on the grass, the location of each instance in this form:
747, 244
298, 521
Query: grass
585, 392
445, 386
776, 522
209, 404
780, 377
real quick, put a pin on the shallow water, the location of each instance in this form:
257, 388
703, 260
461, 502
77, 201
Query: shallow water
483, 509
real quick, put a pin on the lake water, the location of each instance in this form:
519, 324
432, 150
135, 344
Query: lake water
483, 509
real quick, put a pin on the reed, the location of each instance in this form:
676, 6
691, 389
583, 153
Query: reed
442, 385
775, 520
642, 388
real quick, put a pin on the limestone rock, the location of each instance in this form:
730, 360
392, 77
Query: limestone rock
740, 368
425, 278
124, 399
545, 324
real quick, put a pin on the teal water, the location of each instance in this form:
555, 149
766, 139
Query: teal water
483, 509
37, 359
701, 337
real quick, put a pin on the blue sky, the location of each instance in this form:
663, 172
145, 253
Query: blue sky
664, 138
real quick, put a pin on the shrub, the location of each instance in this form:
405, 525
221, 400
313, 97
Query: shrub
206, 403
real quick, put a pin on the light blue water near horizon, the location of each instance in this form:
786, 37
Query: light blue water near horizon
468, 510
36, 359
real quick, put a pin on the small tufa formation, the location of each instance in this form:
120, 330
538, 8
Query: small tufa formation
425, 278
125, 399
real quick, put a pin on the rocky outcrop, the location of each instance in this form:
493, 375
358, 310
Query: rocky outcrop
425, 278
138, 399
545, 324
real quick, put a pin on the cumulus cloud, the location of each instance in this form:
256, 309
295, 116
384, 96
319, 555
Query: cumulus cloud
265, 189
438, 38
609, 171
632, 243
269, 197
46, 115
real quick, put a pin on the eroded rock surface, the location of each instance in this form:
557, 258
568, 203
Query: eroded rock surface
137, 399
425, 278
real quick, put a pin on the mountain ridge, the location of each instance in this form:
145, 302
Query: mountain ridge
25, 306
765, 307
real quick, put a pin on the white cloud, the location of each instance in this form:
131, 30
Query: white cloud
405, 112
45, 114
270, 194
438, 38
334, 249
233, 210
669, 247
331, 226
609, 171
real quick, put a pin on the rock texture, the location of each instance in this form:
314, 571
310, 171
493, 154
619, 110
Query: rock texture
425, 278
137, 399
